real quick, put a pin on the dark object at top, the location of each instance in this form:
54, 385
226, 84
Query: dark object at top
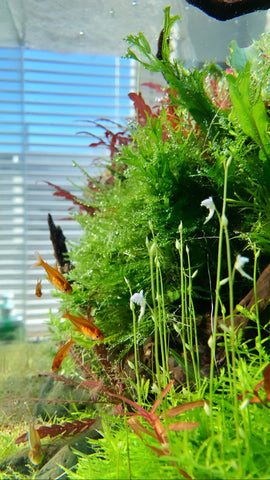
227, 9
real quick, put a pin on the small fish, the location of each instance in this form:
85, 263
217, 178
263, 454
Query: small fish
36, 453
38, 289
54, 276
61, 354
85, 326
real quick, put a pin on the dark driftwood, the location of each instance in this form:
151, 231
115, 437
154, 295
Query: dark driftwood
263, 299
227, 9
241, 322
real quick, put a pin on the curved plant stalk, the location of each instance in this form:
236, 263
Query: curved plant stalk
159, 315
193, 326
184, 315
222, 223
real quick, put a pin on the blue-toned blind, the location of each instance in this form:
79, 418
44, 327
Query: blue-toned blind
45, 100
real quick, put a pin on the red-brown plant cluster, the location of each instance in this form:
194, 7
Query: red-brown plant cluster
217, 89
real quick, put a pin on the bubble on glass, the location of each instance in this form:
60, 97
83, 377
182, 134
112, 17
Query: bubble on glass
134, 2
81, 33
112, 12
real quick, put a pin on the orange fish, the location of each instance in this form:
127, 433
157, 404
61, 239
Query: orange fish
85, 326
38, 289
54, 276
36, 453
61, 354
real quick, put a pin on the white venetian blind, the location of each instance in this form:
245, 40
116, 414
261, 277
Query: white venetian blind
46, 99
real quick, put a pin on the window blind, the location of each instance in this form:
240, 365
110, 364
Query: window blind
46, 99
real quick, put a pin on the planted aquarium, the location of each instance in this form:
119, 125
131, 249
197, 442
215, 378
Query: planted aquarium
158, 359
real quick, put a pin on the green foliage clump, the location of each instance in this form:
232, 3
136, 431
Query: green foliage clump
174, 161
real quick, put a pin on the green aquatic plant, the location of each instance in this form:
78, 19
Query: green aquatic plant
162, 170
144, 230
188, 85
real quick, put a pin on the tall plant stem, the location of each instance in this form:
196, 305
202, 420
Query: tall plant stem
179, 246
135, 335
259, 337
193, 327
136, 363
152, 254
231, 359
162, 326
222, 221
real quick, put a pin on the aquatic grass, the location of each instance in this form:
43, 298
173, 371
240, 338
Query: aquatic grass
7, 445
188, 320
200, 453
192, 331
159, 313
230, 355
136, 298
257, 253
121, 455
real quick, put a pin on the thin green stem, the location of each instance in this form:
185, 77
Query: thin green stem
179, 246
135, 334
259, 337
222, 220
163, 332
193, 326
152, 253
160, 319
230, 358
136, 363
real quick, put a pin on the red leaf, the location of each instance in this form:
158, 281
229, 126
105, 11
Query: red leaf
164, 392
97, 144
256, 400
172, 412
94, 387
160, 451
134, 405
138, 428
266, 376
154, 86
65, 429
143, 110
177, 426
258, 386
61, 192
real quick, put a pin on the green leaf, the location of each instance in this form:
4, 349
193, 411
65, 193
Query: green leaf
168, 24
144, 42
187, 84
252, 116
